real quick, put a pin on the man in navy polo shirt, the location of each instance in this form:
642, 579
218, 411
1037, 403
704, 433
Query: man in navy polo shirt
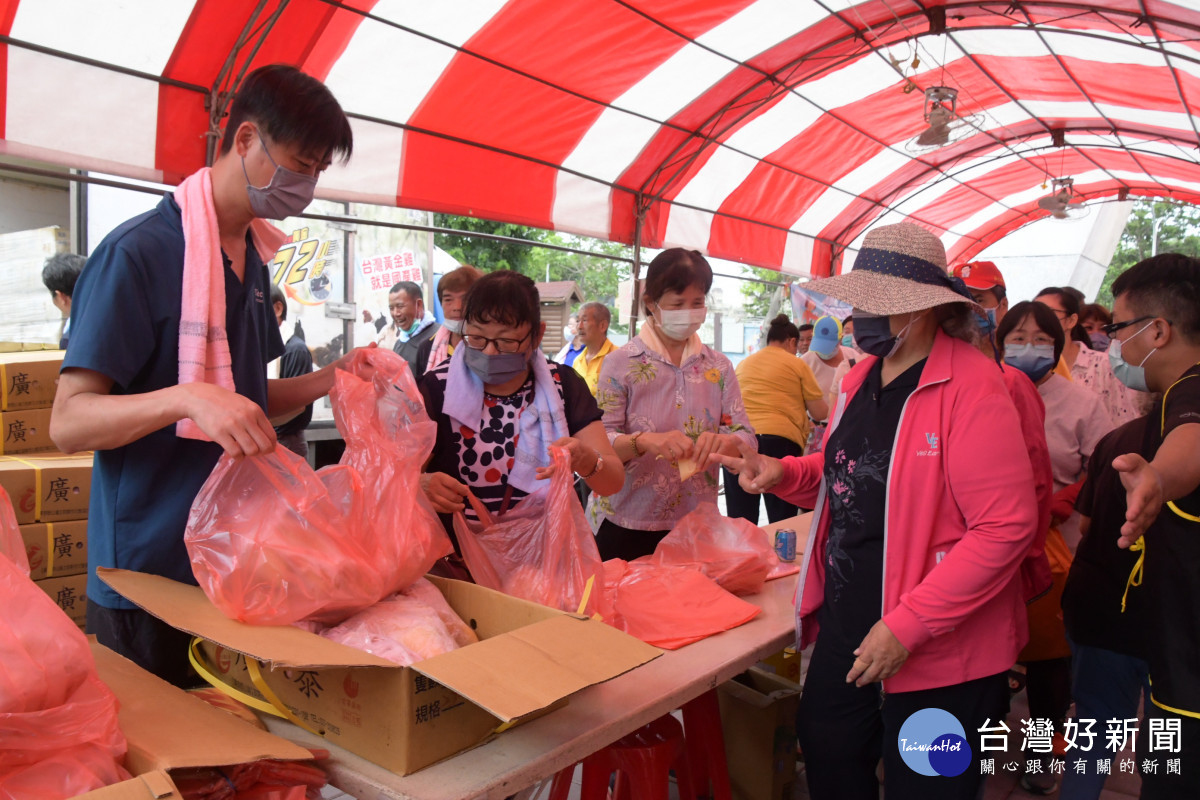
119, 392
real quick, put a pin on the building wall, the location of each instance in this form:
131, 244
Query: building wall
26, 206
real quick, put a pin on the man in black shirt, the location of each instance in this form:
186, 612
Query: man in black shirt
295, 361
1156, 346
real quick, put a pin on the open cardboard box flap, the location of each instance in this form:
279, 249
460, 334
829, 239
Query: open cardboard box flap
169, 729
527, 669
150, 786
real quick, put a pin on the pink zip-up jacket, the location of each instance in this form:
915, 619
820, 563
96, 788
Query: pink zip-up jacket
961, 515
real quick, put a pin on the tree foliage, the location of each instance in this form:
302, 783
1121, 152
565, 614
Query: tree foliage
757, 296
597, 276
1154, 226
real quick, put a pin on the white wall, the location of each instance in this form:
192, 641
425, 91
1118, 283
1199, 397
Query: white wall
26, 206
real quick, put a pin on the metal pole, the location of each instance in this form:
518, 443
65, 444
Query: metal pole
636, 268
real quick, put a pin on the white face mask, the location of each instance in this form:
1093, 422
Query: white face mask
681, 324
453, 325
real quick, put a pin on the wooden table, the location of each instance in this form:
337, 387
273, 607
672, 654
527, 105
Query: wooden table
595, 717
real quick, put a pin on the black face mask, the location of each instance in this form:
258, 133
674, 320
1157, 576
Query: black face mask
873, 334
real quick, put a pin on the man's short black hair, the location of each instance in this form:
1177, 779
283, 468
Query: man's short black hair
409, 288
277, 296
504, 297
1166, 285
291, 108
808, 326
61, 271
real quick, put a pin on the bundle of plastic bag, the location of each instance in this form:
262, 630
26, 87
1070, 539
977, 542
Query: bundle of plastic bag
272, 542
670, 606
541, 550
58, 721
733, 552
406, 628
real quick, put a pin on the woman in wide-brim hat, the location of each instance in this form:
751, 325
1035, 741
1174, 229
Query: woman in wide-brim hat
924, 508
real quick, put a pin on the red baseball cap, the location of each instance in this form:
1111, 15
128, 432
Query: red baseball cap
979, 274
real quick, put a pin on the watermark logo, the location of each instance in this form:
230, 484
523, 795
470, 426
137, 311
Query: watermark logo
933, 742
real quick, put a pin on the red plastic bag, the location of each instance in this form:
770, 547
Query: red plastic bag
58, 721
670, 606
12, 544
400, 628
269, 545
380, 414
733, 552
542, 550
272, 542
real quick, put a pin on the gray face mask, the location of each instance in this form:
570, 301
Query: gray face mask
288, 193
498, 368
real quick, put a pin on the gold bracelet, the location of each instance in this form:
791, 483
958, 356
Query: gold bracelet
637, 453
595, 469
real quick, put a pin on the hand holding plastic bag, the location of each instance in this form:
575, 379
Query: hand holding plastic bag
542, 550
733, 552
58, 721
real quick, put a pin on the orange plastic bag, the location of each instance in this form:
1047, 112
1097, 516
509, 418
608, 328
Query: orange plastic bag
670, 606
12, 544
542, 550
273, 543
58, 721
733, 552
379, 412
269, 545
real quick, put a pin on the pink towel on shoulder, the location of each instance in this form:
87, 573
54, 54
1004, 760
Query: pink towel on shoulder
203, 342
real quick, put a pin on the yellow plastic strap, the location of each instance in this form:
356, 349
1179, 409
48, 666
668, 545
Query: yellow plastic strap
587, 593
281, 710
50, 549
1135, 576
1181, 513
1165, 707
201, 667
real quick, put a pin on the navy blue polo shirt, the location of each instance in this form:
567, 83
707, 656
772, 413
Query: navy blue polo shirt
125, 325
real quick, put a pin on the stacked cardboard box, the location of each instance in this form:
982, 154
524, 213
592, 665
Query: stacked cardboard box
49, 490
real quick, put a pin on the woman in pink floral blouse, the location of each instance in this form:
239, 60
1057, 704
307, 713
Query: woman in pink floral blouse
668, 402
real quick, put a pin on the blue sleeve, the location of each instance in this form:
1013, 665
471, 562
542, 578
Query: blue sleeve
113, 327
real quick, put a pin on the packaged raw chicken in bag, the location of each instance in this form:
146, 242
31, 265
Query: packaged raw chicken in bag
270, 545
272, 542
733, 552
379, 412
58, 721
541, 550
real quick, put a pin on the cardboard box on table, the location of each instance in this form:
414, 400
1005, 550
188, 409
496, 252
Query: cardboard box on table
758, 717
29, 379
56, 549
48, 487
529, 660
167, 728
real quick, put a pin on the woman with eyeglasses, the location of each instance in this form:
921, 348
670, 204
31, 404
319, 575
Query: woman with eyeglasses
668, 401
1087, 367
1031, 340
499, 405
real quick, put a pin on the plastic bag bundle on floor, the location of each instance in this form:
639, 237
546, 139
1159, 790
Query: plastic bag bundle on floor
58, 721
12, 544
542, 550
670, 606
272, 542
733, 552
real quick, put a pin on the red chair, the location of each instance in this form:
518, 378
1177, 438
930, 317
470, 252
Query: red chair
641, 761
706, 746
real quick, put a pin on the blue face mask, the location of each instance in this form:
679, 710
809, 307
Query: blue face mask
848, 340
1100, 340
1035, 360
1132, 376
986, 320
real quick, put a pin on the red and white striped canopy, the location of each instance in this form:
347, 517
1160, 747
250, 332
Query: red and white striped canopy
767, 131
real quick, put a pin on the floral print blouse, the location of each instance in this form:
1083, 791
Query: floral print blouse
1093, 371
640, 390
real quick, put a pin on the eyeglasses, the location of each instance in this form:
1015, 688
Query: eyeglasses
477, 342
1113, 327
